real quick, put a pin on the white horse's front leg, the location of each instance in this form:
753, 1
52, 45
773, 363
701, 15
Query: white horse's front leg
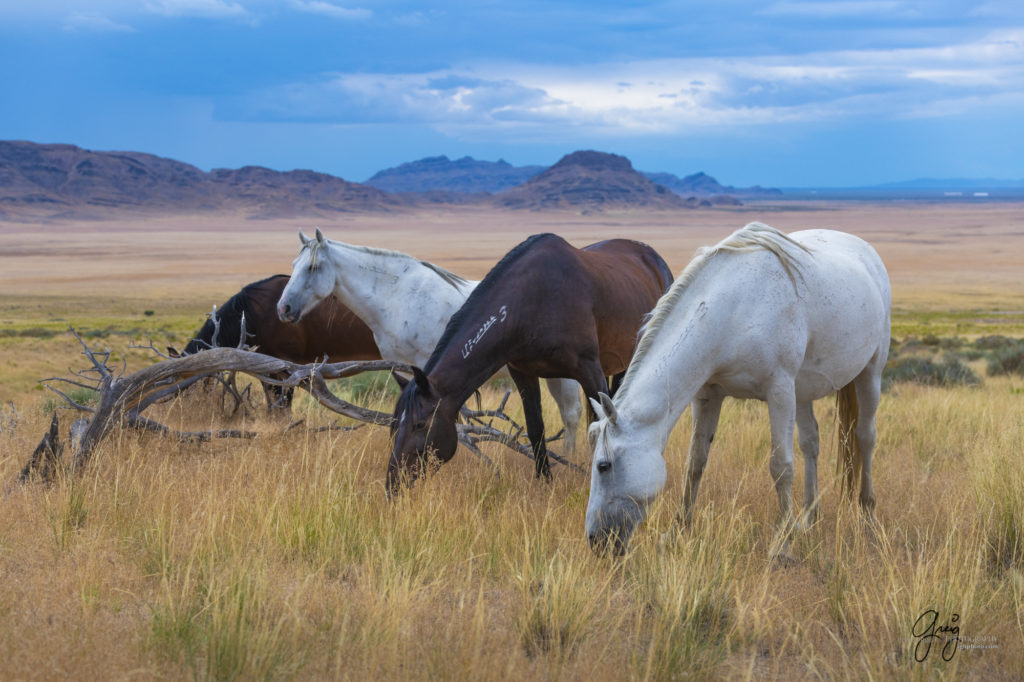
566, 393
807, 430
782, 413
706, 408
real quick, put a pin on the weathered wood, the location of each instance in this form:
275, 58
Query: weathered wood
46, 455
123, 397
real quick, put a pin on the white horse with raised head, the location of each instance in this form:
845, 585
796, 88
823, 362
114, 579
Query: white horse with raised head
783, 319
406, 302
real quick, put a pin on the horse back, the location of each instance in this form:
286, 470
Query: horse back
628, 279
331, 329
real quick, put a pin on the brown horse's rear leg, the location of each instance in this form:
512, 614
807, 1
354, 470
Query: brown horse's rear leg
529, 392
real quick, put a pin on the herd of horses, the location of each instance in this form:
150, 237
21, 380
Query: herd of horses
786, 319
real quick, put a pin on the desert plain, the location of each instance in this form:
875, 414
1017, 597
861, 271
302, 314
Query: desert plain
279, 557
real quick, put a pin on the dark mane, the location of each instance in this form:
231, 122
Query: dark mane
482, 290
230, 316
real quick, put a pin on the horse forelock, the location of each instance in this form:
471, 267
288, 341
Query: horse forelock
752, 237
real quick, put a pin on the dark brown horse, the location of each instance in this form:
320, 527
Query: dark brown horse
547, 309
330, 329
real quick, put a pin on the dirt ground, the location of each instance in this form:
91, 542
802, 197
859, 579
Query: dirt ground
939, 255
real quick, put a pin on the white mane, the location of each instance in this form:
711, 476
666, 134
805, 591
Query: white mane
752, 237
450, 277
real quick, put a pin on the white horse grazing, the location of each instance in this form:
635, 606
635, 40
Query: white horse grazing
783, 319
405, 302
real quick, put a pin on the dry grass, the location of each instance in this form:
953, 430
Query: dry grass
280, 558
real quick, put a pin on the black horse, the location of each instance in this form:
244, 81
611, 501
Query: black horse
330, 330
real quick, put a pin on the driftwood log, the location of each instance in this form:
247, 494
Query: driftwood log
124, 396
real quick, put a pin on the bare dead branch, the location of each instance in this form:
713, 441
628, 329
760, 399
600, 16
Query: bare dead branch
123, 397
69, 400
46, 455
140, 422
151, 347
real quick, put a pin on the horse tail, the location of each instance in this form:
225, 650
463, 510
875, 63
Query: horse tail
848, 462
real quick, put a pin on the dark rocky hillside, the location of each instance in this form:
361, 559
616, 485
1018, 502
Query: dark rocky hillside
67, 181
590, 179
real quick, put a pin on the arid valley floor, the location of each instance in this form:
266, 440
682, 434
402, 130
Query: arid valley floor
280, 557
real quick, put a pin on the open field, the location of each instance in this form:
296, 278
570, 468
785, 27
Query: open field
279, 557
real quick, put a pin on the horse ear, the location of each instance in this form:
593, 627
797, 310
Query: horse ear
422, 381
303, 238
609, 407
319, 236
598, 410
173, 352
402, 380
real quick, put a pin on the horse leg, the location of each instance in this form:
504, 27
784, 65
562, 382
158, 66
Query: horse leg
706, 408
566, 393
807, 430
782, 415
868, 385
616, 382
529, 392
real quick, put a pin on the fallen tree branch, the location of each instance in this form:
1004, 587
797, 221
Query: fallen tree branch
123, 397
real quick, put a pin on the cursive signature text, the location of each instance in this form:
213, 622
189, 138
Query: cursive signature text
467, 347
928, 631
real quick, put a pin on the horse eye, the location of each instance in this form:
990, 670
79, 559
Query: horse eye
604, 467
420, 425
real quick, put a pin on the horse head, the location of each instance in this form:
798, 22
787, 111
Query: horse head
423, 428
625, 476
312, 279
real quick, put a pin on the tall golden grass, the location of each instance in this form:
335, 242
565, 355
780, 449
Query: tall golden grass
280, 558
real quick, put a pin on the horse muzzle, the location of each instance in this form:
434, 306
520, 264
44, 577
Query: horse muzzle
286, 313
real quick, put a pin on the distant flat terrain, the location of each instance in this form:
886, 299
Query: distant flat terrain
940, 256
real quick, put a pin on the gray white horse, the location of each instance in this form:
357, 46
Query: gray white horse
783, 319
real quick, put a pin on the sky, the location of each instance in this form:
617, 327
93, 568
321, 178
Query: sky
785, 93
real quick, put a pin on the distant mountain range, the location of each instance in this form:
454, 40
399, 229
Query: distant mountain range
468, 175
65, 181
52, 181
952, 184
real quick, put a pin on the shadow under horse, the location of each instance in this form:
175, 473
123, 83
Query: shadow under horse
329, 330
547, 309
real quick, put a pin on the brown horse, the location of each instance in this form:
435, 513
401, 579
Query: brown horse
547, 309
330, 329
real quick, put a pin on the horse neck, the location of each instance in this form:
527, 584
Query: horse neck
680, 359
457, 374
405, 303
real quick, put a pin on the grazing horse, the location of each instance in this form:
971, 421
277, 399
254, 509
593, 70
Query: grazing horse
405, 301
329, 330
783, 319
547, 309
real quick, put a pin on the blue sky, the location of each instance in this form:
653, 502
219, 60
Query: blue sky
790, 93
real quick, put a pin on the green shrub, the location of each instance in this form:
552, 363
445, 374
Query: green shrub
1008, 359
950, 372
